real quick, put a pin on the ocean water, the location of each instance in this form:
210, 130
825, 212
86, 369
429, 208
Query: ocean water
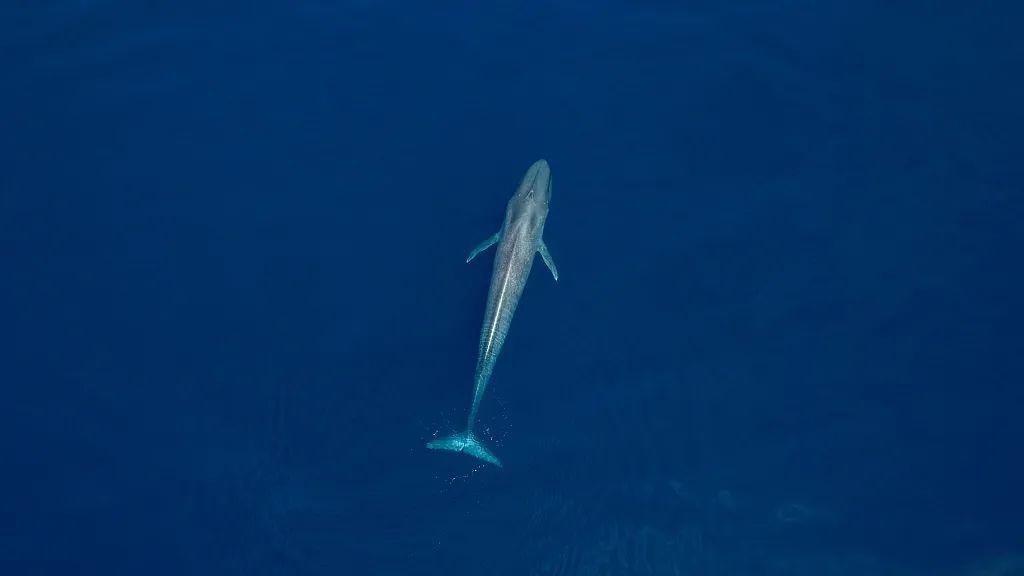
785, 340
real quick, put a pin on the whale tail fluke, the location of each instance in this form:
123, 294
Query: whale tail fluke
467, 443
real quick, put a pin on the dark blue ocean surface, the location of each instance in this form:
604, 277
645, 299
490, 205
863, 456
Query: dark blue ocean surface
785, 341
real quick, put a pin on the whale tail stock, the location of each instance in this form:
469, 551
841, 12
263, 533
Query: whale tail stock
466, 443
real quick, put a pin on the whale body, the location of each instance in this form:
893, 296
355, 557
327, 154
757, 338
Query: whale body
521, 237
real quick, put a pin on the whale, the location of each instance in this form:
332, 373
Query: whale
520, 238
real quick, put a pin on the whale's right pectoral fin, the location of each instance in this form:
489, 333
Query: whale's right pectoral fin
547, 259
483, 246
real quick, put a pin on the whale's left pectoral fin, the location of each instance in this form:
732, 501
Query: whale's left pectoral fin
484, 246
547, 259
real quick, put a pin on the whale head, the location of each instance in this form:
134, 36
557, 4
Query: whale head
530, 203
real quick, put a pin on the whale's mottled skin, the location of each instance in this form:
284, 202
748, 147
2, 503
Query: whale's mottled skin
520, 238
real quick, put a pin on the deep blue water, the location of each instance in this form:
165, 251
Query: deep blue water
785, 340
